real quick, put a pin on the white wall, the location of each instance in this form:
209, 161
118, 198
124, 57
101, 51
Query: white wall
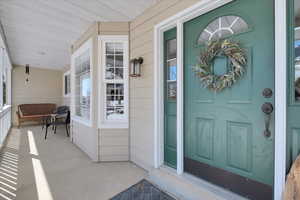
100, 144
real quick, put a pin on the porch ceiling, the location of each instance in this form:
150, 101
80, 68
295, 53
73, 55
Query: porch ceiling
40, 32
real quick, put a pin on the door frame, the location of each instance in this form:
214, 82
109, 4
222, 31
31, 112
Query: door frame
178, 20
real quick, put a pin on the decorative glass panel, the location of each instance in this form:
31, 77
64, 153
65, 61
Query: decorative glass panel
222, 27
171, 68
171, 49
82, 85
297, 51
172, 89
114, 101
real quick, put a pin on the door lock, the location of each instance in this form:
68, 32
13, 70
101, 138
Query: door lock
267, 109
267, 93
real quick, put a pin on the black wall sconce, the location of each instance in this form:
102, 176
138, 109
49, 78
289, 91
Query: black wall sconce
27, 72
27, 69
135, 67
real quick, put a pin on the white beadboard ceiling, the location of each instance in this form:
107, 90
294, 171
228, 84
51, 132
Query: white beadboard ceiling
40, 32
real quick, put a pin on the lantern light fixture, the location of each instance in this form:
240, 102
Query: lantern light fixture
27, 69
27, 73
135, 67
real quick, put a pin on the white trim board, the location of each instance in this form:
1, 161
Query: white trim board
177, 20
280, 97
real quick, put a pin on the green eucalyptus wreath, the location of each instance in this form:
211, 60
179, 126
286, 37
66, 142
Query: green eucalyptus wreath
238, 61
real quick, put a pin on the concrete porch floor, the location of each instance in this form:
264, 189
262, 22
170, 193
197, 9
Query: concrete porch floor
32, 168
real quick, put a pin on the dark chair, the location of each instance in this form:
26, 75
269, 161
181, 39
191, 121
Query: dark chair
59, 112
61, 116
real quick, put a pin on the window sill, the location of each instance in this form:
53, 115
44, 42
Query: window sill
82, 120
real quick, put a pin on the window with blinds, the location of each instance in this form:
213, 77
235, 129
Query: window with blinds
83, 85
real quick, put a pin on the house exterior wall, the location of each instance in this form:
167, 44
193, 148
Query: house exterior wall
44, 86
142, 89
113, 143
100, 144
86, 137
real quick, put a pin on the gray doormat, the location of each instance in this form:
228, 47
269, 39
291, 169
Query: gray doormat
143, 190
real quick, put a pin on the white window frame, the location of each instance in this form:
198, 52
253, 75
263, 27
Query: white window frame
88, 45
5, 70
103, 122
178, 20
67, 73
6, 63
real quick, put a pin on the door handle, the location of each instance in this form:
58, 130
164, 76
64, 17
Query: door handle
267, 109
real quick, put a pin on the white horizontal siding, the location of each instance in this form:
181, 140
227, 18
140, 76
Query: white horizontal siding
141, 89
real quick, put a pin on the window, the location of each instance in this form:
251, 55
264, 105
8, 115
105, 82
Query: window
171, 68
67, 84
81, 69
114, 90
4, 73
222, 27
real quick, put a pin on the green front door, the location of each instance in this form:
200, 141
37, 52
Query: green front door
170, 96
293, 99
224, 131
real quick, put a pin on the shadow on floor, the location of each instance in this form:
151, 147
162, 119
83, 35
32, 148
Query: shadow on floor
55, 169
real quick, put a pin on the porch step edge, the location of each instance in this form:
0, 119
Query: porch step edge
187, 187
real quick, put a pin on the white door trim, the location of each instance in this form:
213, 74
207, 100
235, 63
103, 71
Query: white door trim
177, 20
280, 97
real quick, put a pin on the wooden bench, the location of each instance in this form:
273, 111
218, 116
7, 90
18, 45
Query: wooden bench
34, 112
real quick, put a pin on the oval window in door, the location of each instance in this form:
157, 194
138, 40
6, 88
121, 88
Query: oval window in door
222, 27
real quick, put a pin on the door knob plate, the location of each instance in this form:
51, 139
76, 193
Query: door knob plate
267, 109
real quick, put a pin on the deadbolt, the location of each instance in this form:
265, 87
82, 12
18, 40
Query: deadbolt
267, 93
